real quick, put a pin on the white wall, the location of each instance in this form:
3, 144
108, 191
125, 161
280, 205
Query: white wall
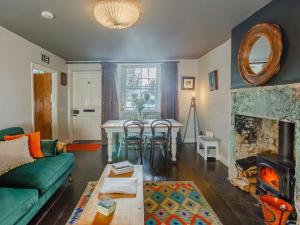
187, 68
214, 107
16, 56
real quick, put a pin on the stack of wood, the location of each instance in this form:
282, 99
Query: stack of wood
246, 171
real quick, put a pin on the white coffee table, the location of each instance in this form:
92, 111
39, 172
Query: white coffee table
129, 210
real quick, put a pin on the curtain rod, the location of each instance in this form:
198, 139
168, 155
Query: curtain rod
120, 62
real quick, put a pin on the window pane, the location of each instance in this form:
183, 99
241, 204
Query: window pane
145, 72
139, 81
152, 72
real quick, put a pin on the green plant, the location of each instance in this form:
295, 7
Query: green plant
140, 101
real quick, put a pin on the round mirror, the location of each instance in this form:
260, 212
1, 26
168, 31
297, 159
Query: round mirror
260, 53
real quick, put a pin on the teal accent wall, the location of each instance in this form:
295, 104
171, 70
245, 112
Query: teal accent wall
286, 14
280, 102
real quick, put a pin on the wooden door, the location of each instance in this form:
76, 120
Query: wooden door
43, 105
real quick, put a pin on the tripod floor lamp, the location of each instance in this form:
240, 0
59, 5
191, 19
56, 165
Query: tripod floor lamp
193, 111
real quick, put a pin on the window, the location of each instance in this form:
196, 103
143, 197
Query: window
138, 80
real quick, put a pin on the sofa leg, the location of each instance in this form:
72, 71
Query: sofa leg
70, 179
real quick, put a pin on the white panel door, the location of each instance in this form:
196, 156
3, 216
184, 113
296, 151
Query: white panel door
87, 105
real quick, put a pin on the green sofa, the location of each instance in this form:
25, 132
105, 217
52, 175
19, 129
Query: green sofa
24, 190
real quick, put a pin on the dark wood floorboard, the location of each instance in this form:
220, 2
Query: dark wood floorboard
233, 206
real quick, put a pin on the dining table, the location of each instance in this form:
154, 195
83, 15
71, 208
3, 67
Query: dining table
113, 127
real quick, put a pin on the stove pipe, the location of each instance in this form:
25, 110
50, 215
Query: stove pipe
286, 141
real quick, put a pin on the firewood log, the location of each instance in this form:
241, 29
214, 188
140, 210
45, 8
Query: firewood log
253, 188
248, 173
250, 180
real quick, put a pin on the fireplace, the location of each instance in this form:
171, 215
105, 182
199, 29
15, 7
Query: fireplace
251, 136
271, 144
276, 173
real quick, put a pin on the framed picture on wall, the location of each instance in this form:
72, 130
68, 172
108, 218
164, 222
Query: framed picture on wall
63, 79
213, 80
188, 83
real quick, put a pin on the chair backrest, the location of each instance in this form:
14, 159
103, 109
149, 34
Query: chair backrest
137, 124
151, 115
133, 116
162, 124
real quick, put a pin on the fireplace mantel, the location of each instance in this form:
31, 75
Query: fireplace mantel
280, 103
276, 102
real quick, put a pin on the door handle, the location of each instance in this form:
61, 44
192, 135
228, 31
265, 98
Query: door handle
75, 111
89, 110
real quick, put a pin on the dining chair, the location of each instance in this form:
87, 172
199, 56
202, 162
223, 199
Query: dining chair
133, 116
134, 139
151, 115
130, 115
161, 138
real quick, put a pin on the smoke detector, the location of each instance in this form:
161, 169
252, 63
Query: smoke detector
47, 15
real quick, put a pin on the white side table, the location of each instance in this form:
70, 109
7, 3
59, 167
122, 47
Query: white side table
208, 147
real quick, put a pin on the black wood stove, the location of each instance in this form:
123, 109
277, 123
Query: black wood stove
276, 173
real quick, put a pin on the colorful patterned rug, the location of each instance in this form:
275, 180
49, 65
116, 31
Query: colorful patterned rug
176, 203
82, 203
165, 203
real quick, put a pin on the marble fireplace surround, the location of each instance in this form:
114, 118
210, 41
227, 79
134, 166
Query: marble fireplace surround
254, 136
281, 103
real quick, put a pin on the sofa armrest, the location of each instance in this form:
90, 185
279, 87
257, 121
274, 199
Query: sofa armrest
49, 147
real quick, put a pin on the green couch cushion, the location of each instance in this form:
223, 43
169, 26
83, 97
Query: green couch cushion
10, 131
15, 203
49, 147
40, 174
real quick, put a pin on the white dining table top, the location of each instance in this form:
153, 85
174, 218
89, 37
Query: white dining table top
119, 124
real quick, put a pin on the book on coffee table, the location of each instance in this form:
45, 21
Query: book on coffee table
121, 165
106, 207
122, 168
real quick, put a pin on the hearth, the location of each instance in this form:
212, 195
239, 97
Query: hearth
276, 173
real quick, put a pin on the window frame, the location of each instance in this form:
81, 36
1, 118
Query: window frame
123, 73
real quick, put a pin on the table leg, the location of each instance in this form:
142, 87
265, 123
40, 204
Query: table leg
109, 145
174, 144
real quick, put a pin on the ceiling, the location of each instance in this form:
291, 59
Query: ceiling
167, 29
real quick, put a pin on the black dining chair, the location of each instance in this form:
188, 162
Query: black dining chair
148, 116
134, 138
160, 138
151, 115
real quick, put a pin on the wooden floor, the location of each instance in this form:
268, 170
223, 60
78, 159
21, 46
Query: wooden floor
233, 206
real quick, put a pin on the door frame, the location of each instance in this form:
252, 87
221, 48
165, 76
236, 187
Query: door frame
54, 94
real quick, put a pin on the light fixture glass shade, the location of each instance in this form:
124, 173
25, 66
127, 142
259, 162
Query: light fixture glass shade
117, 14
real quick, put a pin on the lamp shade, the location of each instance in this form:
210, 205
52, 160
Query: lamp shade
117, 14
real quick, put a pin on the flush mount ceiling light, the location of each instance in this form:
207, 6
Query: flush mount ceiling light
47, 15
117, 14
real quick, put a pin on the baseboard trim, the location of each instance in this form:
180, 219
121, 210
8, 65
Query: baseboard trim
68, 141
189, 140
223, 160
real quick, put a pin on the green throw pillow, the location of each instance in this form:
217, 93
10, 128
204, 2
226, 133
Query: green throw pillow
49, 147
